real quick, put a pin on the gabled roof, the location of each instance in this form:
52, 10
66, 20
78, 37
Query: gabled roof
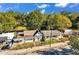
45, 32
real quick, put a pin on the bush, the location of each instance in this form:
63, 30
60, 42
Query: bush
23, 45
64, 39
65, 35
74, 42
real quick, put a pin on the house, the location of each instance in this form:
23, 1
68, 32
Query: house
39, 34
6, 36
33, 34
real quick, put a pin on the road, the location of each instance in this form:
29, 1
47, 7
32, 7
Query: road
61, 48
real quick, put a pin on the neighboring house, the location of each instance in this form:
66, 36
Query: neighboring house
37, 35
4, 37
33, 34
52, 33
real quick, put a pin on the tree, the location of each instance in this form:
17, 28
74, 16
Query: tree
76, 22
50, 21
34, 19
65, 13
9, 23
74, 18
2, 20
74, 42
59, 21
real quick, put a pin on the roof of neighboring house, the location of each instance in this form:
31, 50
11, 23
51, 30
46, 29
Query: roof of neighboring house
29, 32
54, 32
45, 32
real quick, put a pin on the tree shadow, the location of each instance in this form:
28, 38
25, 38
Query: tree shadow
63, 51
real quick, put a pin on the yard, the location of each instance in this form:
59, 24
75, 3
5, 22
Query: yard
57, 46
61, 48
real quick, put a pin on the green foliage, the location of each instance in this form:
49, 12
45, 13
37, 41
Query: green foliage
23, 45
74, 42
9, 23
35, 19
59, 21
20, 28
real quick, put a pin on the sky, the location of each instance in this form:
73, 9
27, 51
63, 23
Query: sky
43, 7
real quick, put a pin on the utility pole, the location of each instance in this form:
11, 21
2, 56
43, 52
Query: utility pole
50, 37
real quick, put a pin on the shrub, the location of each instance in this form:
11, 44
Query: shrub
74, 42
23, 45
64, 39
65, 35
20, 28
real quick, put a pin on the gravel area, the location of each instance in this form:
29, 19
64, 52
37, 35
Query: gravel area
61, 48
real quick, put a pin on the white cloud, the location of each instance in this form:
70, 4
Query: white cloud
42, 5
43, 11
61, 4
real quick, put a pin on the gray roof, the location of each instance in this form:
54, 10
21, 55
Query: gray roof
54, 33
45, 32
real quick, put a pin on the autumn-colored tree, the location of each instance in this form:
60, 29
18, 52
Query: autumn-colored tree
60, 22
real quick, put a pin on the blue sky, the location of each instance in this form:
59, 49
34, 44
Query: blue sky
43, 7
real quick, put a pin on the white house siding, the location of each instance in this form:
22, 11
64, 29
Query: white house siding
38, 36
8, 35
